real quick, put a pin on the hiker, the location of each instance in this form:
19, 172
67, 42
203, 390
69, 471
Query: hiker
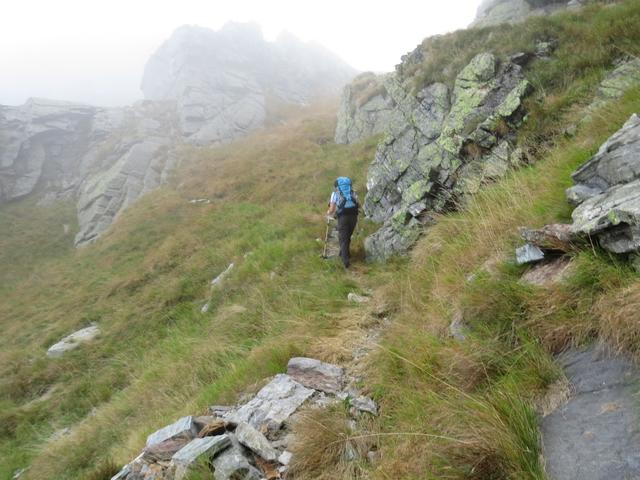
343, 204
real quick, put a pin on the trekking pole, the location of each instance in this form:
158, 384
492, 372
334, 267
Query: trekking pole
326, 240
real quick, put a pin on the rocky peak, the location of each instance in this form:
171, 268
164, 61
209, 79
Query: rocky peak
220, 80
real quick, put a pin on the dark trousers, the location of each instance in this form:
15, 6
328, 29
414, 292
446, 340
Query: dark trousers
346, 225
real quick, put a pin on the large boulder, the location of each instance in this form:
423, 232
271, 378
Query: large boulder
445, 144
609, 184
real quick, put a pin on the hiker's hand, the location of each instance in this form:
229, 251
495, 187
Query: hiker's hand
329, 219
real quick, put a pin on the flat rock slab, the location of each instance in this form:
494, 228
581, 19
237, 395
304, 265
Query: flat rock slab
528, 254
548, 273
183, 428
596, 435
73, 341
315, 374
198, 448
273, 404
255, 441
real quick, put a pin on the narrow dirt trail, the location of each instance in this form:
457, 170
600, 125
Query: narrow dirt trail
596, 434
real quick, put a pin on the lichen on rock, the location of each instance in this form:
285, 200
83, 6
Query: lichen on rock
444, 145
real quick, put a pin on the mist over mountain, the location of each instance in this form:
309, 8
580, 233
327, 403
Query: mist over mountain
201, 87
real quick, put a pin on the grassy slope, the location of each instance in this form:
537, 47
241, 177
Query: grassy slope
144, 284
450, 410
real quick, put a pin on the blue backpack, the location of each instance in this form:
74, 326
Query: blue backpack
345, 200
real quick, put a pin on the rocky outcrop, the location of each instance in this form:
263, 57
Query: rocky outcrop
247, 441
443, 145
496, 12
204, 87
221, 81
104, 157
366, 109
607, 192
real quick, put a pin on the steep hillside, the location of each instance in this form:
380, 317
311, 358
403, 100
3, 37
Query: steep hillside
456, 342
202, 87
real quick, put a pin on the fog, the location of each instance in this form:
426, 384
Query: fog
95, 51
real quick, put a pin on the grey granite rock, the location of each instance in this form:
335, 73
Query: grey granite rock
272, 405
528, 254
612, 217
194, 451
315, 374
366, 109
232, 464
255, 441
183, 428
73, 341
442, 147
617, 161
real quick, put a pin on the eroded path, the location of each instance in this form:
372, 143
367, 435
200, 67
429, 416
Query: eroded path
596, 434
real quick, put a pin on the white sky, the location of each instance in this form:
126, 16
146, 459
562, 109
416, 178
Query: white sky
94, 51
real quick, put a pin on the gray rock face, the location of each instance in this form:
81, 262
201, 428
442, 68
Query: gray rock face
273, 404
613, 216
495, 12
221, 80
183, 428
105, 158
315, 374
73, 341
366, 109
595, 436
444, 145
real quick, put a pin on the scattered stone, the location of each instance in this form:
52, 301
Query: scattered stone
200, 200
205, 307
197, 448
285, 457
233, 465
548, 273
315, 374
255, 441
355, 298
216, 282
18, 473
272, 405
163, 451
183, 428
555, 237
528, 254
364, 404
73, 341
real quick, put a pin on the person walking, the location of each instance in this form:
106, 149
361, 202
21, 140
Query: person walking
343, 205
